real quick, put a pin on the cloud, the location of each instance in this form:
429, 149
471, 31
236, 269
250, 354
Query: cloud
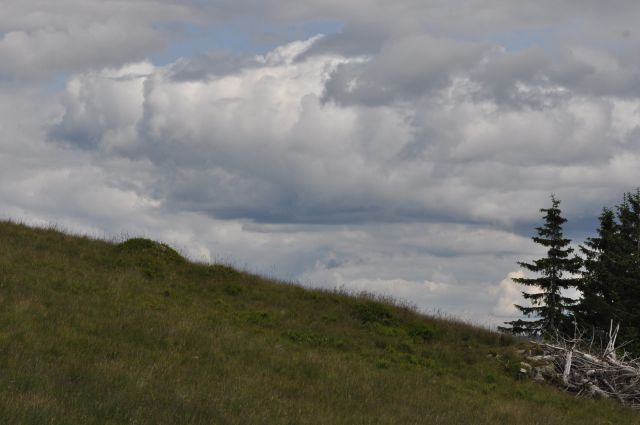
404, 69
102, 109
509, 293
39, 39
252, 141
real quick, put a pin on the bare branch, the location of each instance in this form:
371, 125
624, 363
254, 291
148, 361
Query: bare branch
571, 363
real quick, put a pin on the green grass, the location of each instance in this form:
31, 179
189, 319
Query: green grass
93, 332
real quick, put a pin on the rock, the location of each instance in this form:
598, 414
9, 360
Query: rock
526, 367
545, 371
546, 358
537, 376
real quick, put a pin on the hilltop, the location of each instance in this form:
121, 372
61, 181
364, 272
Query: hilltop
98, 332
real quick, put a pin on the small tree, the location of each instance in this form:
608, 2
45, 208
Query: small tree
556, 270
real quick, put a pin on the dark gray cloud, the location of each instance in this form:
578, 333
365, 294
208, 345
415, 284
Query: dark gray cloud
535, 78
404, 69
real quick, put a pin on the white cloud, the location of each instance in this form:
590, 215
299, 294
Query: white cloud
509, 293
230, 144
102, 109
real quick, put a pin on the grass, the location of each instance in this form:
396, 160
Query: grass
93, 332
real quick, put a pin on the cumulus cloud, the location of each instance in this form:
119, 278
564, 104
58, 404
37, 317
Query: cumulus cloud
509, 294
230, 143
102, 109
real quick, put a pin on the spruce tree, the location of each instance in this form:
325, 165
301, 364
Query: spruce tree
556, 272
599, 285
610, 284
627, 279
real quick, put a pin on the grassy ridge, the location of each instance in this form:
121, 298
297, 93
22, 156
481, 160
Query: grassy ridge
93, 332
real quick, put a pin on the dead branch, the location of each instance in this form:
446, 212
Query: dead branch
572, 364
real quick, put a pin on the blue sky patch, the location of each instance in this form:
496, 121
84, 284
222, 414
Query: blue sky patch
194, 40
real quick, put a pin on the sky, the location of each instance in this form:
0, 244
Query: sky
402, 148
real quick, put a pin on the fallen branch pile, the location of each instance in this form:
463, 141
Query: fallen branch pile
571, 363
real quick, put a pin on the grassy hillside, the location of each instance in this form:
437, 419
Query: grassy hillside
93, 332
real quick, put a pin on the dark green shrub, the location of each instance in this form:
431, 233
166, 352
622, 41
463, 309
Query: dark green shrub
150, 249
232, 290
372, 312
421, 332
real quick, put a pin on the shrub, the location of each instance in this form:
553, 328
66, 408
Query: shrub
372, 312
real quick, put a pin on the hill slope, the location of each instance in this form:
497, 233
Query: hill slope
93, 332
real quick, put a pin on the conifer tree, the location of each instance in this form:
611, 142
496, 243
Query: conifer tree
610, 284
599, 283
556, 272
627, 279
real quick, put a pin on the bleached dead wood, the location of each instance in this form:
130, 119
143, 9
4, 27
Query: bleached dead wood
609, 374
